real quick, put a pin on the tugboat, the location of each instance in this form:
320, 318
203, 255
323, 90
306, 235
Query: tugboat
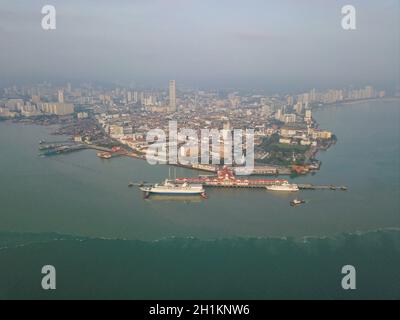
104, 155
296, 202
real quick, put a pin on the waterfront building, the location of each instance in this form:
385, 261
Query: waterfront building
14, 104
308, 116
6, 113
59, 109
320, 134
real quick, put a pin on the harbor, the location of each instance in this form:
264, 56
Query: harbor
220, 177
101, 187
62, 147
226, 178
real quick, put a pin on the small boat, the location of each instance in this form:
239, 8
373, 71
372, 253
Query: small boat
131, 184
104, 155
296, 202
204, 195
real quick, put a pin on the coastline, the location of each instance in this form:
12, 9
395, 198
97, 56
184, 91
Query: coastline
352, 102
116, 211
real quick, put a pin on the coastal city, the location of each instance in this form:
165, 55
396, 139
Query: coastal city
115, 121
169, 153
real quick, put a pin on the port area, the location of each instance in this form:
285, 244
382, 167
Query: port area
62, 147
226, 178
56, 150
221, 177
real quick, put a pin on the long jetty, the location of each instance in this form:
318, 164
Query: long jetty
226, 178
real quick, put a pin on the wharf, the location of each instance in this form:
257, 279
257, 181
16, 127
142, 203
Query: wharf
321, 187
226, 178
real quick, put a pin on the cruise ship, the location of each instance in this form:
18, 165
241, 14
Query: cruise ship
287, 187
170, 188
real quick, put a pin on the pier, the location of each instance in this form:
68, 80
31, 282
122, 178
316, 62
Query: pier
55, 148
319, 187
226, 178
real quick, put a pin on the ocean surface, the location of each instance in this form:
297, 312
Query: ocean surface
75, 211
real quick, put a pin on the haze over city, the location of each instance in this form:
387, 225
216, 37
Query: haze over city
285, 46
174, 150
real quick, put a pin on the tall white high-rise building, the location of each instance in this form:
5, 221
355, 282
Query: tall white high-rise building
278, 114
369, 92
298, 107
61, 96
308, 116
172, 96
129, 96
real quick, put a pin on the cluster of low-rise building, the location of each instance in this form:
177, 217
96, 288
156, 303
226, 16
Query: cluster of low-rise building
33, 107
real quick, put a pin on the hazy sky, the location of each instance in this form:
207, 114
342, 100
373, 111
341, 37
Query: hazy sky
276, 45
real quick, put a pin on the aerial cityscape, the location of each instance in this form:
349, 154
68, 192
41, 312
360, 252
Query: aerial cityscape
287, 137
200, 150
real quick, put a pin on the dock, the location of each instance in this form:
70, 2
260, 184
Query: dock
321, 187
54, 148
226, 178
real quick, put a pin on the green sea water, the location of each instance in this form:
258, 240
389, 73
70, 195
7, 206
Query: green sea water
238, 249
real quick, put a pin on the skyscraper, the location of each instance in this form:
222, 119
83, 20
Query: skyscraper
60, 96
308, 116
172, 96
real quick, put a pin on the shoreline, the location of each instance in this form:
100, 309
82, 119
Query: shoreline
352, 102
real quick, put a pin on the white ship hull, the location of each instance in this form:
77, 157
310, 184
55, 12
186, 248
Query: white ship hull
174, 189
172, 192
284, 188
